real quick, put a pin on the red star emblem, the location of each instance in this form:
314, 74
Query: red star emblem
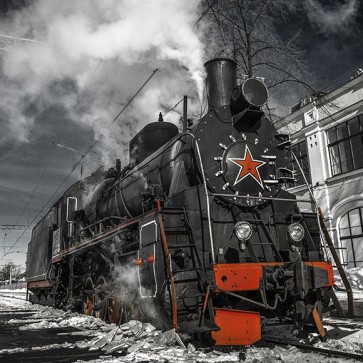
248, 166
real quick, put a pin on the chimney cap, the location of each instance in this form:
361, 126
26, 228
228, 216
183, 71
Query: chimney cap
219, 60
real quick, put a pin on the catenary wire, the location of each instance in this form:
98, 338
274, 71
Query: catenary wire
78, 162
47, 165
45, 204
204, 13
45, 170
119, 147
41, 177
135, 95
175, 106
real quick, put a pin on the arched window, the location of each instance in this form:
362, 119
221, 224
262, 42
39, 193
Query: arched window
351, 236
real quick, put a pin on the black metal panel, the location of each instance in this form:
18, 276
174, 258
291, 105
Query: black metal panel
149, 238
39, 250
151, 138
127, 195
225, 154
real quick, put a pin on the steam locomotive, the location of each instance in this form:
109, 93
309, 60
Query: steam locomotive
196, 233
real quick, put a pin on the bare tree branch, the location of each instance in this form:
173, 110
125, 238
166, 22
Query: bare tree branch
247, 32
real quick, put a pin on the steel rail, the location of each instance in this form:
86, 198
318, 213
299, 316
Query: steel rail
310, 348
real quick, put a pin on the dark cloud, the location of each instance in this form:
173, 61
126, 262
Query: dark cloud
332, 53
333, 16
68, 88
8, 6
89, 58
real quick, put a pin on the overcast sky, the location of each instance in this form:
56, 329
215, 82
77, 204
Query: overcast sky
91, 57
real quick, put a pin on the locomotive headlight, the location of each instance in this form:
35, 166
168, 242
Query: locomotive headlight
243, 230
296, 232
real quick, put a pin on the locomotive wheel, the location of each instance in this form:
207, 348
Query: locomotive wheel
89, 297
43, 298
121, 312
35, 298
100, 299
50, 298
187, 295
114, 311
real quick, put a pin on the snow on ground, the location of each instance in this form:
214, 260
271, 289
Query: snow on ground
355, 277
140, 342
22, 290
353, 343
14, 303
18, 293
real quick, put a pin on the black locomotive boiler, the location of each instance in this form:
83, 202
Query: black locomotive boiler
196, 233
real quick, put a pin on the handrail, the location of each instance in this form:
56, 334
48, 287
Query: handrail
259, 197
207, 198
339, 265
326, 239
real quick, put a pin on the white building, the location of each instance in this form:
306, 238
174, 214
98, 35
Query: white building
327, 133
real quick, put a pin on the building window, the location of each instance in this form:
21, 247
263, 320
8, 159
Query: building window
345, 144
300, 150
351, 236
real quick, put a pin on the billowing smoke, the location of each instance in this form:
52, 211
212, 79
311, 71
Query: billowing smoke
333, 18
92, 56
127, 289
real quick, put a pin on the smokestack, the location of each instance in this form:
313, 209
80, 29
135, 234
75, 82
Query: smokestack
221, 80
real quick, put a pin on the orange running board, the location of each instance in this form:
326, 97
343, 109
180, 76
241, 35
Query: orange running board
238, 327
240, 276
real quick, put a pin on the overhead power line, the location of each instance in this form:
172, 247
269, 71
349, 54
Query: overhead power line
47, 202
12, 227
45, 205
205, 12
175, 106
135, 95
75, 165
7, 41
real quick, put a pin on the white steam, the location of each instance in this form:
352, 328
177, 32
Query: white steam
106, 50
127, 288
334, 18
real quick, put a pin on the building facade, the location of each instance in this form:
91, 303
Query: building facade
327, 135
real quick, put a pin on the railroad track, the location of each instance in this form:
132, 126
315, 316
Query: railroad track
310, 348
356, 324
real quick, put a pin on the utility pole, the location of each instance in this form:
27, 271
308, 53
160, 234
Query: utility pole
185, 114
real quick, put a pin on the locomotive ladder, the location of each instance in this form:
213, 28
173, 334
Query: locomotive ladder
330, 244
184, 229
262, 250
276, 257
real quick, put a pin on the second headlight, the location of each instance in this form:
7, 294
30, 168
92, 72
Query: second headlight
296, 232
243, 230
